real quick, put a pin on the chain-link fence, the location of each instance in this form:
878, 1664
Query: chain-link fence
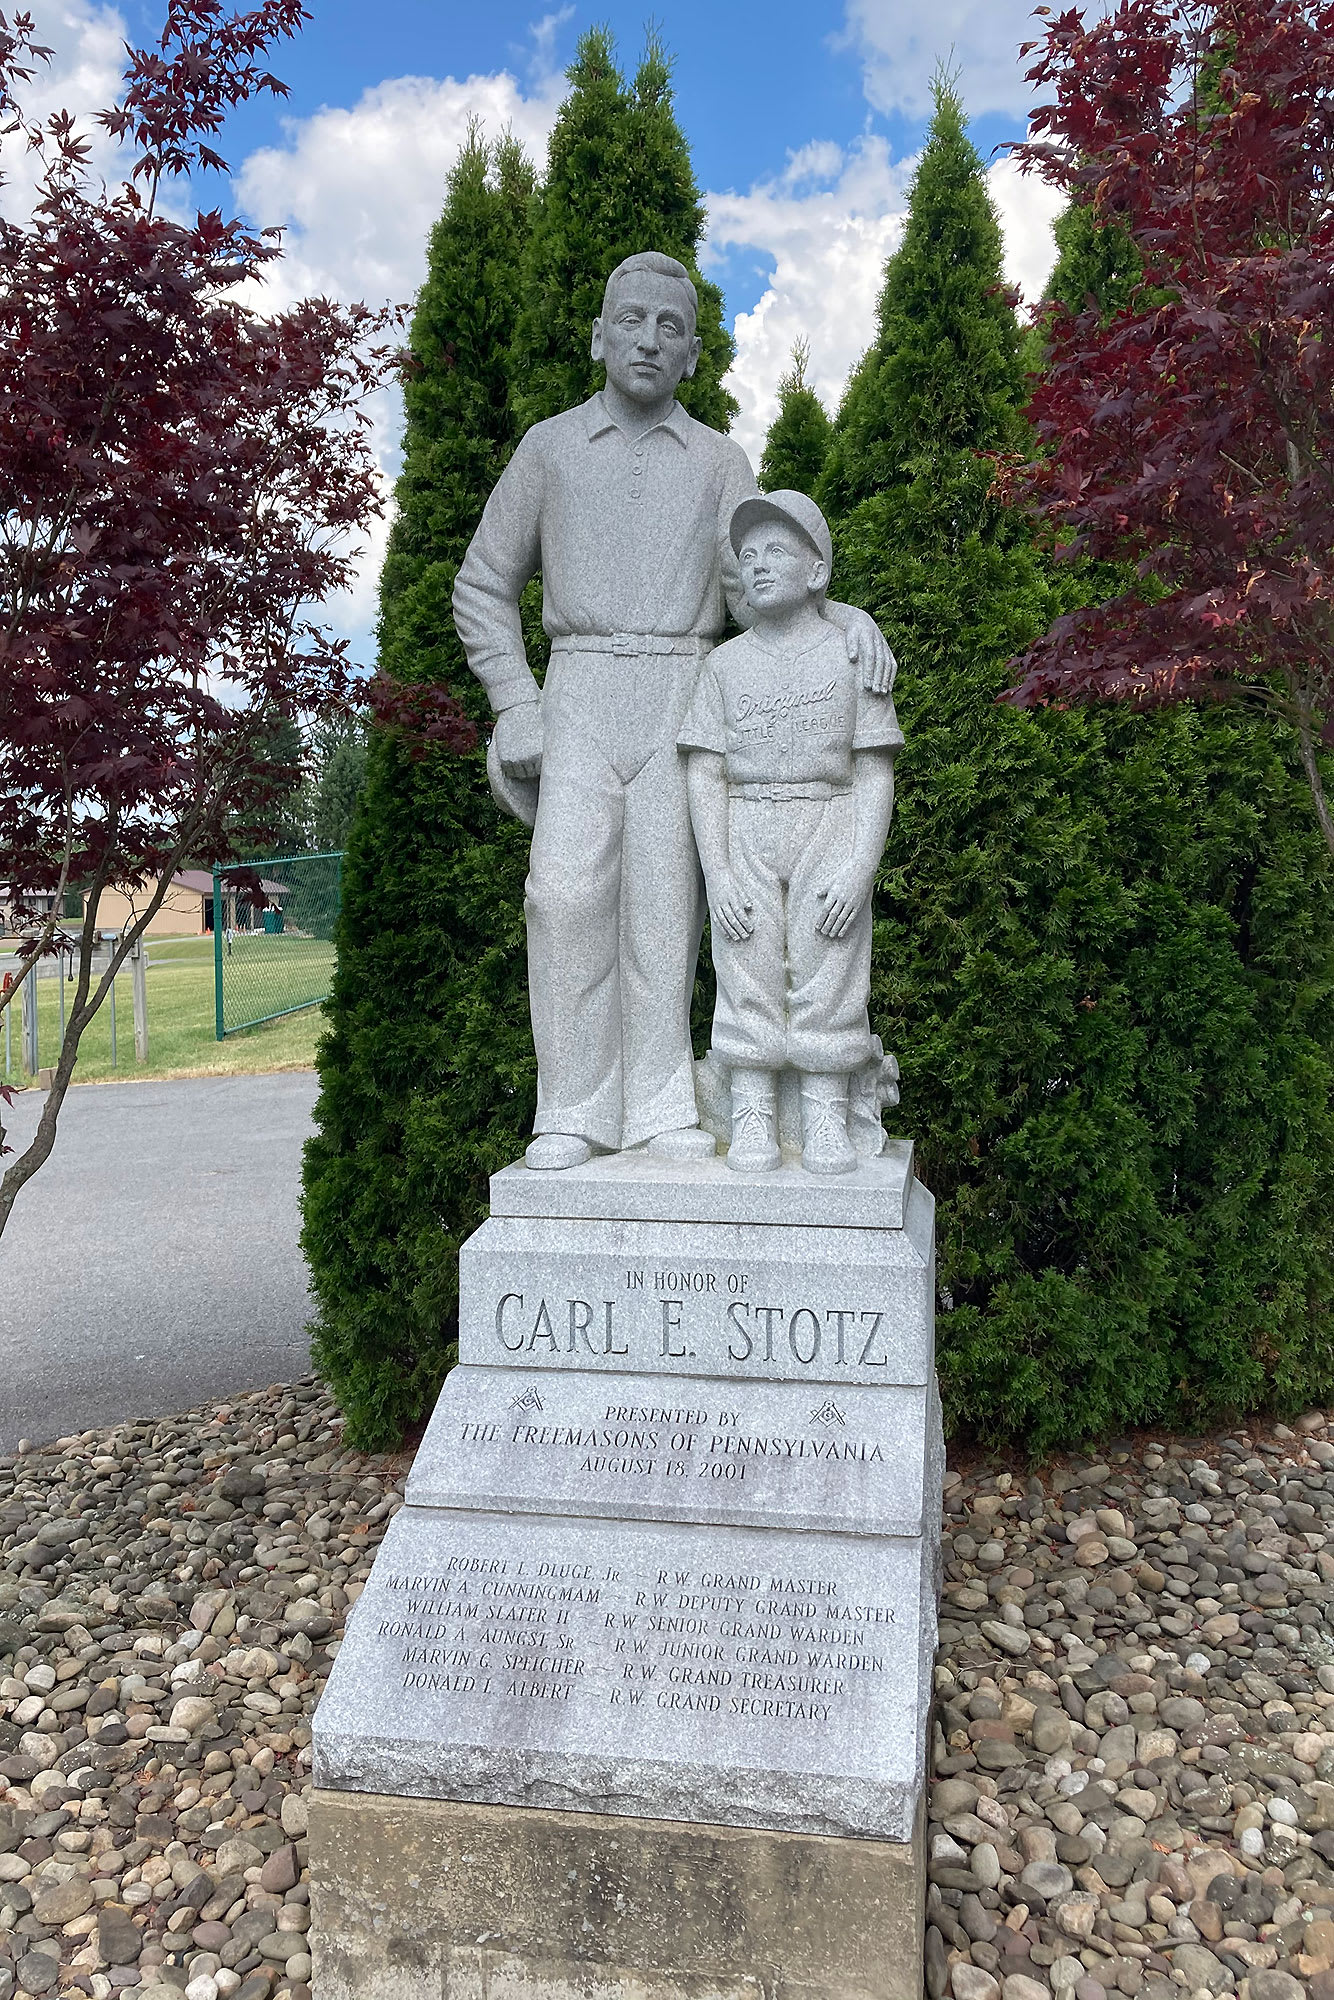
273, 925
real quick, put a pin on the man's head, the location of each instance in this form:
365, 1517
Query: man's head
646, 331
783, 545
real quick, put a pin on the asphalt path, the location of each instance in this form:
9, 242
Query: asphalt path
154, 1261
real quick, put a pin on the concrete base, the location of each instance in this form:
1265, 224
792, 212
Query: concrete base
425, 1899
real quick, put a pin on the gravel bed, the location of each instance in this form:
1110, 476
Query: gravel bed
171, 1597
1132, 1750
1133, 1744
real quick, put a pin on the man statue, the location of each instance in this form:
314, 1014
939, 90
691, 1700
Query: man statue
623, 505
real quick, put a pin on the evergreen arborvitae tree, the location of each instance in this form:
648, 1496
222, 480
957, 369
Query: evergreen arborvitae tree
618, 180
798, 442
337, 791
1104, 942
944, 373
1095, 260
426, 1073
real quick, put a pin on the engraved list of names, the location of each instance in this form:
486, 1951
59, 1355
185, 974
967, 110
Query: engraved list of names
728, 1647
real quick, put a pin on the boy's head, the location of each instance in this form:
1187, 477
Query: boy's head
783, 546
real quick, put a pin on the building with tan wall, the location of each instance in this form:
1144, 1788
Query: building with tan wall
187, 907
186, 910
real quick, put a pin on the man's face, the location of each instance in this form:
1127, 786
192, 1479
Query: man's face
646, 340
779, 568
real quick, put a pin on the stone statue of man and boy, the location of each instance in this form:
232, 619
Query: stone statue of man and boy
652, 755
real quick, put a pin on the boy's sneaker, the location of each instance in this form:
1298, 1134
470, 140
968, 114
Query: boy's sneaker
825, 1145
754, 1147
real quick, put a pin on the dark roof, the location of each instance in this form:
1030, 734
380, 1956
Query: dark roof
200, 880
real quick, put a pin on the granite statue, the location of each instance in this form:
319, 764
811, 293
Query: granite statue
659, 1609
791, 785
623, 504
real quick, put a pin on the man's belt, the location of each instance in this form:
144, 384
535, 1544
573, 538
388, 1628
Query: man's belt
812, 788
629, 643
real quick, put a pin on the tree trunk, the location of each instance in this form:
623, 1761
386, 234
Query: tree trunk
84, 1008
1311, 766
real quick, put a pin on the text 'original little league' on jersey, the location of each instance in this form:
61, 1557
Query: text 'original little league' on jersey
780, 720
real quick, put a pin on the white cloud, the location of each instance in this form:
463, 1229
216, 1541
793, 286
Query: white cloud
829, 244
357, 191
87, 44
1027, 207
543, 63
900, 49
88, 56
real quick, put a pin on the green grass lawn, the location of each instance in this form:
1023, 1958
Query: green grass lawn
263, 972
267, 974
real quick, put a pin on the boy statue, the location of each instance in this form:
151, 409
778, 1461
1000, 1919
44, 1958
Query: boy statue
791, 785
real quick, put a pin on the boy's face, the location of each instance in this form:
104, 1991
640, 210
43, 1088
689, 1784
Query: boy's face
780, 571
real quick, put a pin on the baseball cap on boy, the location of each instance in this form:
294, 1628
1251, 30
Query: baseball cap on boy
798, 509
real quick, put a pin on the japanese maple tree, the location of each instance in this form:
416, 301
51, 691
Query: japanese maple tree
1190, 435
183, 479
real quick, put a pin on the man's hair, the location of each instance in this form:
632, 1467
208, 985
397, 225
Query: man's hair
665, 266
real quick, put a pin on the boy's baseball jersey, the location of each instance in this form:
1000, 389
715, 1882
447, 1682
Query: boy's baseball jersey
788, 728
780, 719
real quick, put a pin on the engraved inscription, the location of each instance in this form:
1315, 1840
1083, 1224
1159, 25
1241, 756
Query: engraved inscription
755, 1645
752, 1644
678, 1441
842, 1334
851, 1338
526, 1328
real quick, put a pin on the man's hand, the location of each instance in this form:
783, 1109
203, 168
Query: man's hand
843, 896
729, 908
519, 740
867, 646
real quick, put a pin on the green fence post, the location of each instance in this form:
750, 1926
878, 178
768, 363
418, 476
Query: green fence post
220, 1031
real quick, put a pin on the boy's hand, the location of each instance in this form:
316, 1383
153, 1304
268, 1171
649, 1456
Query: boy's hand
843, 896
729, 908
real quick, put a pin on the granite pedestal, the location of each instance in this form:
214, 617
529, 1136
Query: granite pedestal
666, 1579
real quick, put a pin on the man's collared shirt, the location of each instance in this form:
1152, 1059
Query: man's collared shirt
630, 535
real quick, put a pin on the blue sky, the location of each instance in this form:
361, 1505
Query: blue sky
804, 122
750, 87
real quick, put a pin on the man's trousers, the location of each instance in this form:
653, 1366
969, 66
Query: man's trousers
614, 899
